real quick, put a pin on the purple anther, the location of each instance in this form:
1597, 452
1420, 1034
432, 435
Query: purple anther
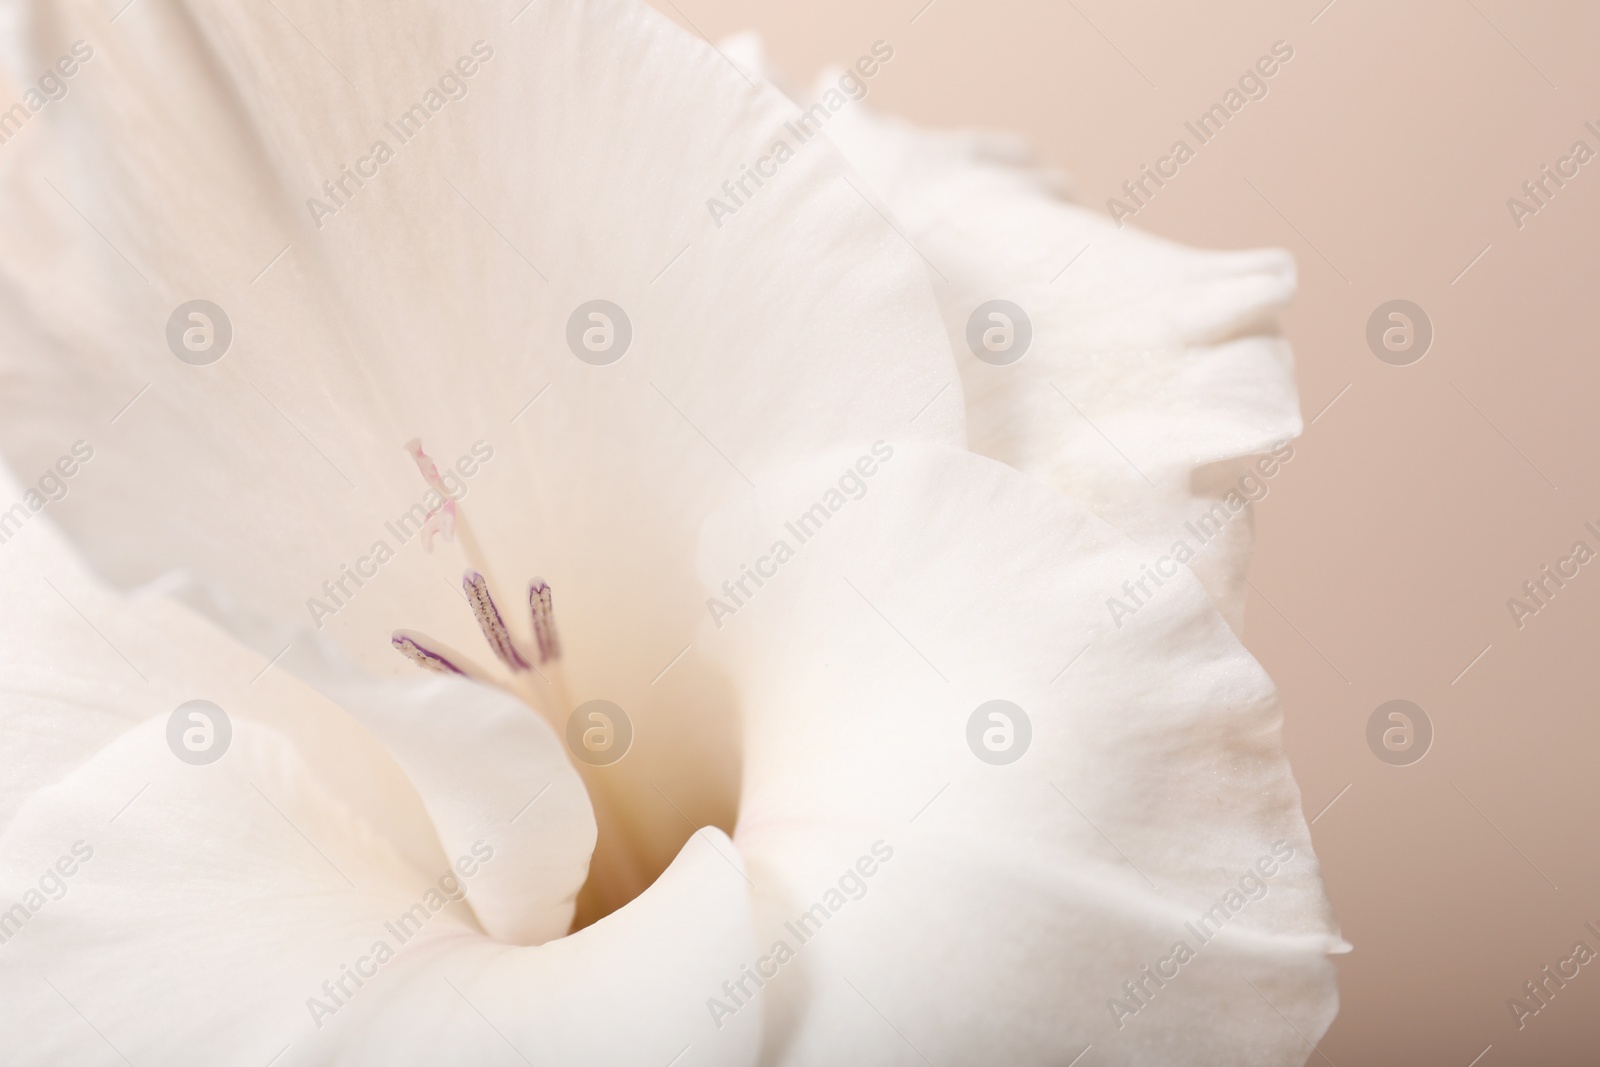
544, 620
413, 649
489, 621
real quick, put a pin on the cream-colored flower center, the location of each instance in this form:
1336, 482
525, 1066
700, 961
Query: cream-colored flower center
533, 674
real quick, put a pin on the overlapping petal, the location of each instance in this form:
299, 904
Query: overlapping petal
1020, 897
81, 664
1155, 375
238, 912
435, 303
139, 887
573, 164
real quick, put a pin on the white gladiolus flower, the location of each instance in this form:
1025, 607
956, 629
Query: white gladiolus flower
833, 500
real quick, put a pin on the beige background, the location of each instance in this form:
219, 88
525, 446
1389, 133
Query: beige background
1420, 500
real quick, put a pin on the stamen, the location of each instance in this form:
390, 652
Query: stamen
489, 621
409, 646
544, 620
445, 518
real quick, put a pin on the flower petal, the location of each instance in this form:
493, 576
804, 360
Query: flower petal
81, 664
61, 681
480, 760
435, 304
1019, 898
1153, 368
231, 892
